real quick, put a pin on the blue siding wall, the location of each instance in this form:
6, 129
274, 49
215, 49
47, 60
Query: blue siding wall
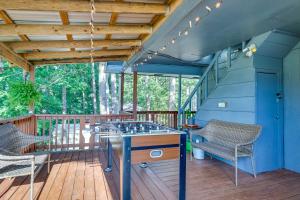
291, 76
238, 89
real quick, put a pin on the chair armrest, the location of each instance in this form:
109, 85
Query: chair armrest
15, 157
200, 132
41, 139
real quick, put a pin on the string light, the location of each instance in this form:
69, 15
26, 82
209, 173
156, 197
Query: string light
190, 24
218, 4
185, 31
208, 8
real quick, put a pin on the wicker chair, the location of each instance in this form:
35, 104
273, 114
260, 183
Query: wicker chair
229, 141
12, 162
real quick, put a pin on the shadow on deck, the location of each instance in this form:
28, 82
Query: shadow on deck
80, 175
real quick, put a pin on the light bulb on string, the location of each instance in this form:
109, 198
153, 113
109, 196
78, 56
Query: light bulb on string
173, 41
218, 4
163, 48
208, 8
190, 24
186, 32
155, 53
197, 19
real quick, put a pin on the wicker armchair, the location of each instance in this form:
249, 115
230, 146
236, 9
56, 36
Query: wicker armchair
229, 140
12, 162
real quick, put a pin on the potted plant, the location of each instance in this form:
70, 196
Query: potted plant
23, 95
190, 117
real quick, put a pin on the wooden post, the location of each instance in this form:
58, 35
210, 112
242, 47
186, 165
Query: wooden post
32, 79
134, 99
32, 74
122, 81
179, 100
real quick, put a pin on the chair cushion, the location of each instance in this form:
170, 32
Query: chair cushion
20, 168
219, 150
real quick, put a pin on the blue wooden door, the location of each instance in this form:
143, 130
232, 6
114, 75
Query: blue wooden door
268, 150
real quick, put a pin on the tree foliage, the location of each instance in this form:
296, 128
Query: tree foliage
77, 78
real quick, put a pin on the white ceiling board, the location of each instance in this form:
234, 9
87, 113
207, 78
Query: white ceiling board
119, 36
28, 17
46, 37
84, 17
134, 18
9, 38
88, 37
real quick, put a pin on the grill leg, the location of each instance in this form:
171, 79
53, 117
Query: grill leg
182, 168
125, 170
109, 157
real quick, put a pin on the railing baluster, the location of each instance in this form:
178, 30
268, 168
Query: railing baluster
56, 132
68, 135
74, 135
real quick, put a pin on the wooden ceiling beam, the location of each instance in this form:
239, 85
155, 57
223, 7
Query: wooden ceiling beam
75, 54
31, 45
80, 60
14, 58
47, 29
8, 20
112, 21
65, 21
83, 6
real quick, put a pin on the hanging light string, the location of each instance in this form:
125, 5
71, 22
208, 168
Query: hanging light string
92, 30
182, 33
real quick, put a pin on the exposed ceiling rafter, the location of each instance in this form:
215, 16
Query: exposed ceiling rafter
30, 45
47, 29
80, 60
83, 6
74, 54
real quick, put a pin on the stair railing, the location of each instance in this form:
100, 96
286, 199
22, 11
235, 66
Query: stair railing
201, 89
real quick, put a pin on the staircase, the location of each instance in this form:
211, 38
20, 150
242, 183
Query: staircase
216, 70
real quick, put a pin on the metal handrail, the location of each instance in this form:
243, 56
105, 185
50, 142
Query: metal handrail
200, 81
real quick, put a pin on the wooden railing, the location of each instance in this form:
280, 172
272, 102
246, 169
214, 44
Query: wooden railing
73, 131
166, 118
26, 124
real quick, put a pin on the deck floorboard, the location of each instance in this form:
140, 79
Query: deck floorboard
80, 175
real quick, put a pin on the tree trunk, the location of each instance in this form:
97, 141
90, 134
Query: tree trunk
83, 102
94, 89
102, 89
172, 93
148, 100
107, 91
113, 91
64, 99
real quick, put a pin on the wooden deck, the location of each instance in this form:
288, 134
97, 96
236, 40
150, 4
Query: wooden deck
79, 175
